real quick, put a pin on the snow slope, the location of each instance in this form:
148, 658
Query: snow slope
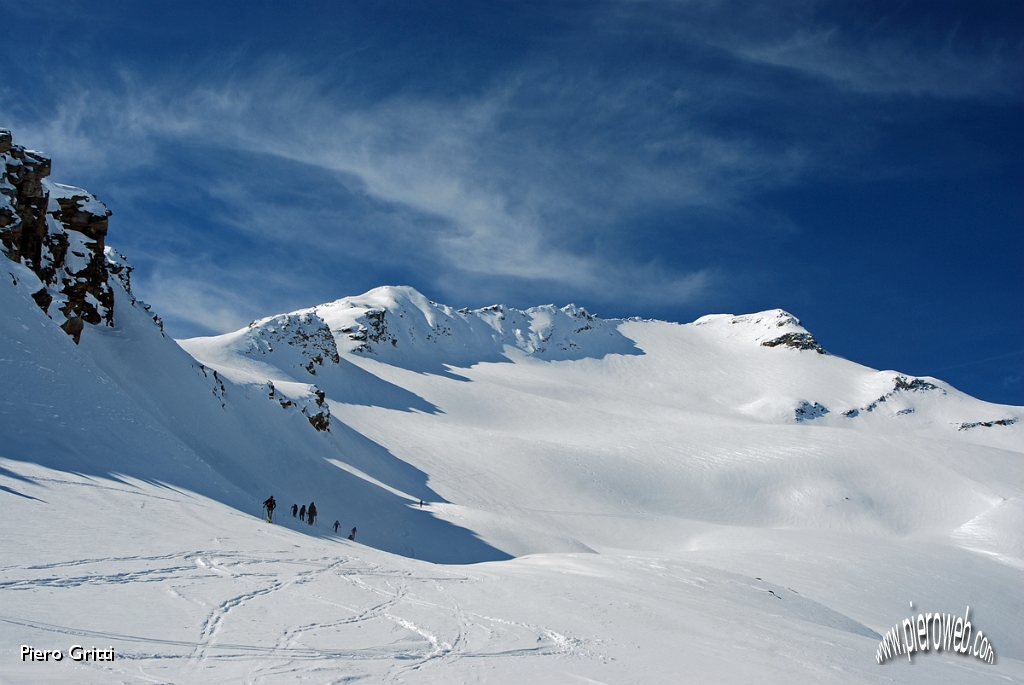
128, 401
700, 422
684, 502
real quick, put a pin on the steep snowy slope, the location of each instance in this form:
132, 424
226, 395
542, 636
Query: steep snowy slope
730, 420
92, 385
128, 401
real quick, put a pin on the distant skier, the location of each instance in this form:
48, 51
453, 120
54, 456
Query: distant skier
336, 524
310, 513
302, 513
352, 535
295, 510
269, 504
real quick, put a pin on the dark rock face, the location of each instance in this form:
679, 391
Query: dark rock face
58, 232
808, 412
320, 420
801, 341
900, 385
914, 385
23, 214
315, 408
375, 331
987, 424
306, 332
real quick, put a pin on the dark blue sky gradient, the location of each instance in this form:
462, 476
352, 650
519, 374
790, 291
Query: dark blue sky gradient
858, 164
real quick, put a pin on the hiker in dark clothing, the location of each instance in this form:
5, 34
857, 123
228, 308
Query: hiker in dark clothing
336, 524
352, 535
295, 510
302, 513
269, 504
311, 513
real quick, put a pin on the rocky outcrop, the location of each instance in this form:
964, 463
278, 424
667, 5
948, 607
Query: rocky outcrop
58, 232
120, 270
801, 341
771, 328
374, 330
218, 388
399, 324
806, 411
304, 331
986, 424
900, 385
309, 400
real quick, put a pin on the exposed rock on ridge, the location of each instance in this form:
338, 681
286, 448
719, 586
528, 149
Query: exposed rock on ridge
986, 424
304, 331
58, 232
801, 341
772, 328
309, 400
900, 384
398, 324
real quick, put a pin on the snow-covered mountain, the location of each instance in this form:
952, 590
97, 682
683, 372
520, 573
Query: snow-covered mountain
515, 395
399, 327
624, 489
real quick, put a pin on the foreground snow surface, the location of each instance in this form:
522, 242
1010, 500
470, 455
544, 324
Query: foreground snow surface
672, 514
188, 590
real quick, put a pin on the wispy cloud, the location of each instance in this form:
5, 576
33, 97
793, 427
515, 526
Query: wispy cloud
482, 192
892, 65
189, 302
534, 177
889, 48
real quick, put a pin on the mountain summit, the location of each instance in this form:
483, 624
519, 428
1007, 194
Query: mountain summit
755, 365
400, 326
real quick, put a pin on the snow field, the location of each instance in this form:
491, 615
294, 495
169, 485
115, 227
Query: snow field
188, 590
671, 518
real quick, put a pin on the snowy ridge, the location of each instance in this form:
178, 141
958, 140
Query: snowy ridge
764, 374
401, 326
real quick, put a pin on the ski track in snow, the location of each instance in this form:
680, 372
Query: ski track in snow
425, 645
326, 613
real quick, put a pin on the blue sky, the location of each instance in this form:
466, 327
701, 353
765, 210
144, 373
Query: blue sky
858, 164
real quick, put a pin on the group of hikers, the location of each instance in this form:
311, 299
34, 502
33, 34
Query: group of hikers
303, 513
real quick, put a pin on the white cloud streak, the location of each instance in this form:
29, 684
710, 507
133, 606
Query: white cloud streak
197, 302
513, 181
895, 49
889, 66
494, 191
